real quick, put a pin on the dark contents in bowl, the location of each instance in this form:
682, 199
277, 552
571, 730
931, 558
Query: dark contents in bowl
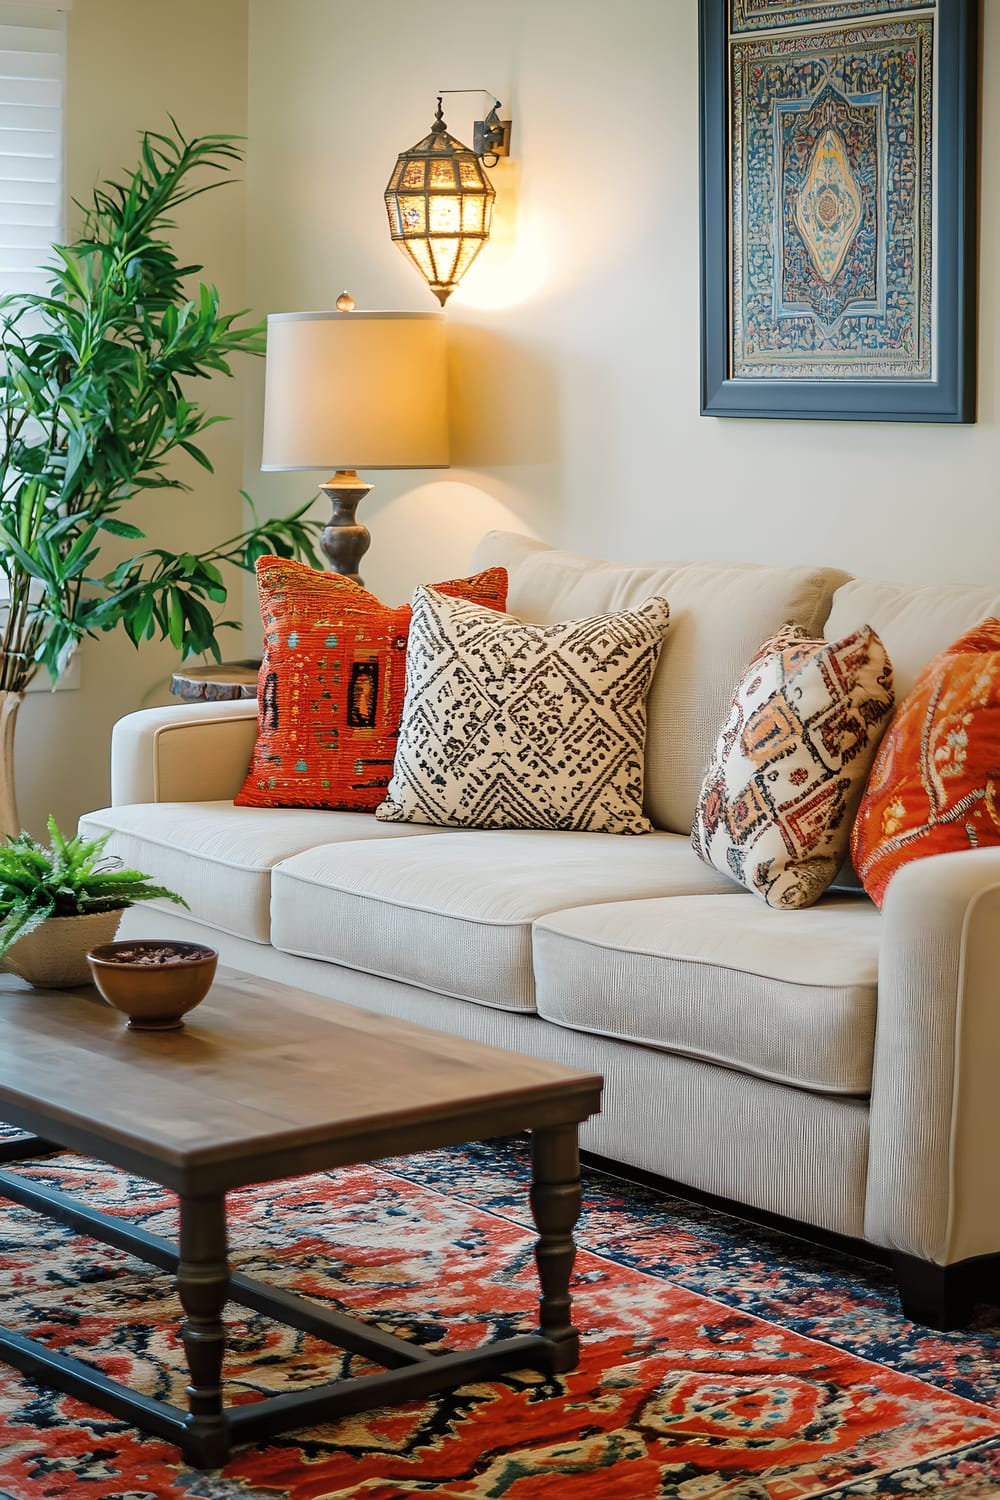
156, 957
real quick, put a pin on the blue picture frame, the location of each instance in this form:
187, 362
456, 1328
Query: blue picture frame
838, 209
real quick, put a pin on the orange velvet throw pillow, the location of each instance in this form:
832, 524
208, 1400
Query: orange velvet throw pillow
331, 685
933, 787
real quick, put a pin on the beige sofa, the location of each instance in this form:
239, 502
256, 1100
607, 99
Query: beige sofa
834, 1065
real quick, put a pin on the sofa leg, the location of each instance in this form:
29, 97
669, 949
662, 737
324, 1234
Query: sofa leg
943, 1297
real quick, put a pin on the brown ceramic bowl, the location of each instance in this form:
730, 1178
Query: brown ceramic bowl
153, 981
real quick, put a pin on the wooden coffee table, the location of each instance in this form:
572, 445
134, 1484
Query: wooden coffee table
266, 1082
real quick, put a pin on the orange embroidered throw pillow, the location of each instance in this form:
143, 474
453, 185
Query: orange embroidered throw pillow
934, 786
331, 685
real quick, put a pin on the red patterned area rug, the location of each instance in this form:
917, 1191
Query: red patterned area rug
720, 1361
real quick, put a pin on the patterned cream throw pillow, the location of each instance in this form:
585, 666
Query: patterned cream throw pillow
508, 725
784, 784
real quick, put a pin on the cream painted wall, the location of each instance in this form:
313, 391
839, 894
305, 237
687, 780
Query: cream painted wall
576, 334
574, 338
129, 62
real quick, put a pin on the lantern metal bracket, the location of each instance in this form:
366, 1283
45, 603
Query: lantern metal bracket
491, 136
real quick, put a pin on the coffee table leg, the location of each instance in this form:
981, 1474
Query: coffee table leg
203, 1285
555, 1204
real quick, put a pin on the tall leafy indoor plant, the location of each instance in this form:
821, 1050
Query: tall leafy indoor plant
95, 407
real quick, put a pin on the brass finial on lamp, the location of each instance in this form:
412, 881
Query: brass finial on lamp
440, 200
350, 390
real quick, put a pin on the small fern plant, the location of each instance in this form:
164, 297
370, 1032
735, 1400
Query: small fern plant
69, 879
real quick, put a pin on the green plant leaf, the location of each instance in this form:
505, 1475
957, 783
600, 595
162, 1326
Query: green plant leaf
95, 394
31, 566
175, 617
73, 876
198, 456
122, 528
20, 920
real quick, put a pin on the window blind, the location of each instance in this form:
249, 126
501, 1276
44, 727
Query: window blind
32, 87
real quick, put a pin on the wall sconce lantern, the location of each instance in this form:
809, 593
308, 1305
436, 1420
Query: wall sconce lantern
440, 200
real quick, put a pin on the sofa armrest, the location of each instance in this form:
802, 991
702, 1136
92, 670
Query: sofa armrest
196, 752
935, 1105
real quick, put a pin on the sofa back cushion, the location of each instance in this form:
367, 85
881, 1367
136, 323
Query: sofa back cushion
914, 624
719, 615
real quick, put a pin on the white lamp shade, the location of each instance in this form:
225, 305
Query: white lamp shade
355, 390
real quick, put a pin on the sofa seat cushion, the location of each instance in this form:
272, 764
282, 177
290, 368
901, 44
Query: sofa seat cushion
785, 995
219, 857
455, 914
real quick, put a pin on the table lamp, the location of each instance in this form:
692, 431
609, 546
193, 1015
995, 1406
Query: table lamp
350, 390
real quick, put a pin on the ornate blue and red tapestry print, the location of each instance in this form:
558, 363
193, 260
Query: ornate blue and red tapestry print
831, 158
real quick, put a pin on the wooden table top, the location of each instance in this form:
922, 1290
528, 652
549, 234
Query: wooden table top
227, 680
263, 1081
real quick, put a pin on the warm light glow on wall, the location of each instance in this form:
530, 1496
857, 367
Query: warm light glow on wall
510, 276
519, 263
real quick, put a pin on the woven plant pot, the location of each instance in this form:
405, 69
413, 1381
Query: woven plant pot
54, 956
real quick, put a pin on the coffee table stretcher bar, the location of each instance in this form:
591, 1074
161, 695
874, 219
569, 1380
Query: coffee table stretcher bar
551, 1107
205, 1283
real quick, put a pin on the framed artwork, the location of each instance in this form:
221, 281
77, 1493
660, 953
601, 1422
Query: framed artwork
838, 199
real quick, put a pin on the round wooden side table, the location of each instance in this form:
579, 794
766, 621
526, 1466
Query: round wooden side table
221, 680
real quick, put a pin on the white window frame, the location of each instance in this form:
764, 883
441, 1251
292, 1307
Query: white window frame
28, 229
32, 139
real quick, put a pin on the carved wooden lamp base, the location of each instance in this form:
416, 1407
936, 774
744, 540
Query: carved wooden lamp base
344, 541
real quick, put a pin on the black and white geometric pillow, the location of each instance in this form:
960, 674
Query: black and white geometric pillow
508, 725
